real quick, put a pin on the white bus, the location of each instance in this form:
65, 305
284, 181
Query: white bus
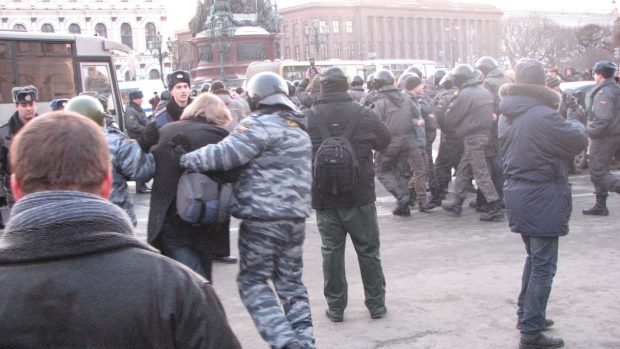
398, 66
59, 66
296, 70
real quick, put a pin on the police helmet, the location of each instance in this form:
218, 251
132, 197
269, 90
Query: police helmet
87, 106
383, 78
416, 71
606, 68
462, 73
402, 80
268, 89
370, 82
205, 87
357, 81
438, 75
486, 64
446, 82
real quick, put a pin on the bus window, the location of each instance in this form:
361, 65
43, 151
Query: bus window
96, 77
47, 66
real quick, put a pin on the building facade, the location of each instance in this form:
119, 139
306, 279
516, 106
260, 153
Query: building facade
139, 24
441, 31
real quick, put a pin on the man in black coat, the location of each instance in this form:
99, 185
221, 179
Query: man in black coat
351, 212
604, 133
178, 85
135, 123
75, 275
536, 143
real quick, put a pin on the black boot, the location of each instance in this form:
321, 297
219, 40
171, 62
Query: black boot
494, 214
478, 206
425, 205
600, 208
454, 207
402, 210
543, 341
412, 198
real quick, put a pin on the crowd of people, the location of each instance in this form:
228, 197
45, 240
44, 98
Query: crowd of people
283, 150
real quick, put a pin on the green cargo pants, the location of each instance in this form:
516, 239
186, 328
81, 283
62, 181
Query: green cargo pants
361, 224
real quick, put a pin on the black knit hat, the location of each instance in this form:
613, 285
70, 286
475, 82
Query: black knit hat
553, 81
530, 71
334, 79
177, 77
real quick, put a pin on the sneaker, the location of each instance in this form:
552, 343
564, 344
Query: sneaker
333, 317
543, 341
548, 323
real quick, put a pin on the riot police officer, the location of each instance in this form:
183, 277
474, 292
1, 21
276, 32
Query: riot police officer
604, 132
357, 88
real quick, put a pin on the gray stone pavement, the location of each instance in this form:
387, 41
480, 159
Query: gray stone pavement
453, 282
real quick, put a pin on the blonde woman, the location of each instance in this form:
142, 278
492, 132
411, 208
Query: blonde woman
201, 123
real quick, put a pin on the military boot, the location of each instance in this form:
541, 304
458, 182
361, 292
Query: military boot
425, 205
600, 208
494, 214
412, 198
454, 206
543, 341
402, 210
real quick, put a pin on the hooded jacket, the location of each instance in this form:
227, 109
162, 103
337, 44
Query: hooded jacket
536, 143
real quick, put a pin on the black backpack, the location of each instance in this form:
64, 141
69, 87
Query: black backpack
336, 169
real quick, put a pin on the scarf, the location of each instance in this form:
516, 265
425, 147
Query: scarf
61, 224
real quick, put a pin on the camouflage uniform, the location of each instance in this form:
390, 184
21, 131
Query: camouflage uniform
128, 163
273, 195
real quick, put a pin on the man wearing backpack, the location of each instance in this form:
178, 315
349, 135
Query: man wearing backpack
341, 210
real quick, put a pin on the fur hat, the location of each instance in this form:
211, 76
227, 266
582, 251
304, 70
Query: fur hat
25, 94
530, 71
178, 77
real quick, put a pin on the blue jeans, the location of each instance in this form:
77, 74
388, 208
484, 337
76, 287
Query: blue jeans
538, 272
198, 261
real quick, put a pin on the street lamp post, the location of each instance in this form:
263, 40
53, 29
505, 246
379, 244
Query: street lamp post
221, 32
172, 53
154, 45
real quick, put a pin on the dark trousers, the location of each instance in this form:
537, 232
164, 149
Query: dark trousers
360, 223
198, 261
602, 151
538, 272
448, 157
390, 172
495, 169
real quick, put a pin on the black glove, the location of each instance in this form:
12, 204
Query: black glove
149, 137
3, 201
179, 145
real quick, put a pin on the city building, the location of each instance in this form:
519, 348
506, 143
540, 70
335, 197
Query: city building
139, 24
442, 31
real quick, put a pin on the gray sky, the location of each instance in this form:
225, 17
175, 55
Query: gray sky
178, 16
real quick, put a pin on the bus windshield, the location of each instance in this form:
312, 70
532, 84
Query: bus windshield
59, 66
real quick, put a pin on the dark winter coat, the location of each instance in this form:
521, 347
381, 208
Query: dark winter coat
73, 276
167, 174
371, 134
7, 132
135, 120
604, 116
169, 113
536, 143
397, 111
471, 112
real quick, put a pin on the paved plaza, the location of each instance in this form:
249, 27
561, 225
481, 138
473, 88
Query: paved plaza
453, 282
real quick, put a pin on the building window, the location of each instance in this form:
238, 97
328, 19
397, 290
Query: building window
351, 50
323, 27
47, 28
101, 30
336, 27
150, 32
297, 52
349, 25
19, 27
154, 74
126, 36
338, 48
287, 52
74, 29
